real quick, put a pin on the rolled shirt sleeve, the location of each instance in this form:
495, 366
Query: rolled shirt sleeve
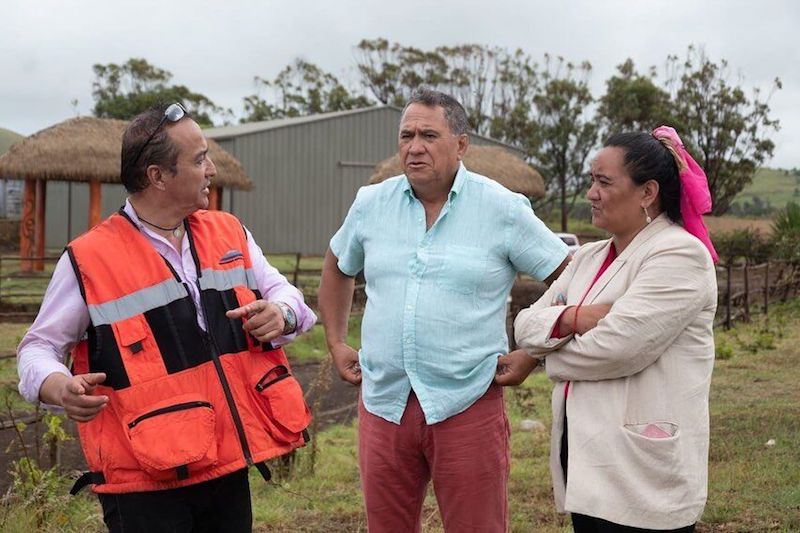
346, 244
275, 287
532, 247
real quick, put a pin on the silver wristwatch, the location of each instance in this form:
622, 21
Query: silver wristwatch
289, 318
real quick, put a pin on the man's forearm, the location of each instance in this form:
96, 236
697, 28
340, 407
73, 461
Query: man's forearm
335, 299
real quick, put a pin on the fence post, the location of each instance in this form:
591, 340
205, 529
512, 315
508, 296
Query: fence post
296, 269
766, 289
729, 268
746, 271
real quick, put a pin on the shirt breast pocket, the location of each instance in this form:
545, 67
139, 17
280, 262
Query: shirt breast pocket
462, 269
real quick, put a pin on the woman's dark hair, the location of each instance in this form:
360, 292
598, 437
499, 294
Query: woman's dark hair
648, 158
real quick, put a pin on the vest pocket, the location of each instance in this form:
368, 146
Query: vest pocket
281, 399
174, 438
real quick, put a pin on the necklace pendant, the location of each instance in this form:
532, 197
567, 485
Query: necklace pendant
177, 232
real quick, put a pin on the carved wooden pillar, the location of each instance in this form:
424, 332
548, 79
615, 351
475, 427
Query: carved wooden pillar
26, 226
95, 201
41, 205
213, 198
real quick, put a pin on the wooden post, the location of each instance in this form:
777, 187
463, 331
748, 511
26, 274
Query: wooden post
729, 268
26, 226
95, 200
766, 288
746, 271
213, 198
41, 204
296, 270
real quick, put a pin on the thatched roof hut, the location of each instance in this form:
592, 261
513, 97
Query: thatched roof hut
88, 149
84, 149
492, 161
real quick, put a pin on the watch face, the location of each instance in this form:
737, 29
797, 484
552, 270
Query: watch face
289, 320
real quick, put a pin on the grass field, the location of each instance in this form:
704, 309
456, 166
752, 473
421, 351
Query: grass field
776, 186
7, 138
752, 486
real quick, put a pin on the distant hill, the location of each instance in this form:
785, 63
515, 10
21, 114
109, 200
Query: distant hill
7, 138
771, 189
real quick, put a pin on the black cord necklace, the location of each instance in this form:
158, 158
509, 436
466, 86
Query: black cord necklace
177, 231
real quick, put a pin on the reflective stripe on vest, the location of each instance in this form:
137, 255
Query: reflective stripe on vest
223, 280
137, 303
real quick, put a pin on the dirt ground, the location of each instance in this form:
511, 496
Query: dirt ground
336, 405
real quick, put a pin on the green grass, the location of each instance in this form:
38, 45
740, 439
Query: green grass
10, 335
24, 288
754, 398
776, 186
752, 486
311, 346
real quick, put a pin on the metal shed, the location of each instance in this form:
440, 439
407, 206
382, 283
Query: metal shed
307, 170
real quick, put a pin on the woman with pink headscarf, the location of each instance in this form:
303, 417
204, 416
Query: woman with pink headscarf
626, 333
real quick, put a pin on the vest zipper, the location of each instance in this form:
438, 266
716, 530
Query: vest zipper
226, 388
263, 383
171, 409
214, 348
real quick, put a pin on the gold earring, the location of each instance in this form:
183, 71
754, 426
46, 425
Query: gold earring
646, 216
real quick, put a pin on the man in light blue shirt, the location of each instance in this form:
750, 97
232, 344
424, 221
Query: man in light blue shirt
440, 248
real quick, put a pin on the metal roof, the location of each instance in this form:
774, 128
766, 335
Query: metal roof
228, 132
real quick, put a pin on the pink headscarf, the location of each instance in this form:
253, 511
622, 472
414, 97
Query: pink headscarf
695, 196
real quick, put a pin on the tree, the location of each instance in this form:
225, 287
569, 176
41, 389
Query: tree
301, 88
468, 72
633, 102
391, 71
727, 132
564, 133
123, 91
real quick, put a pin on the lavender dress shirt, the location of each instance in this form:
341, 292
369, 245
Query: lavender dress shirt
64, 318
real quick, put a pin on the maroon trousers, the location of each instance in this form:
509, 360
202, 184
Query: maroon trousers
466, 456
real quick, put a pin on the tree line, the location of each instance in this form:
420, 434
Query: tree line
545, 107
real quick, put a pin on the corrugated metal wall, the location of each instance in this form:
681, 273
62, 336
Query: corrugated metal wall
307, 176
60, 228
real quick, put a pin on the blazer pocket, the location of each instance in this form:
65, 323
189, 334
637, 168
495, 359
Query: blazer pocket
658, 457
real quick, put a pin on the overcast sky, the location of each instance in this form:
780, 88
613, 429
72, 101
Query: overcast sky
48, 47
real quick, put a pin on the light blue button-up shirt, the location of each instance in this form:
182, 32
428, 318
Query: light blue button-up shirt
436, 298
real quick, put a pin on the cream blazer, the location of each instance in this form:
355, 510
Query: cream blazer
647, 362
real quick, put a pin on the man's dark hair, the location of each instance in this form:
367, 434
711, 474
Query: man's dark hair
161, 150
453, 111
647, 158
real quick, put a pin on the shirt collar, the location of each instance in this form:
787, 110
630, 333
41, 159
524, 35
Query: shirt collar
131, 212
458, 183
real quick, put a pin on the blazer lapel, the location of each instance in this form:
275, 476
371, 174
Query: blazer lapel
642, 237
585, 273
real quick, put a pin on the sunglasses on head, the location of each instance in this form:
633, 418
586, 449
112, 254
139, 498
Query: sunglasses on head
173, 113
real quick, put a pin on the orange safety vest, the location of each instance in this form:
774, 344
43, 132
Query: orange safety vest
185, 405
